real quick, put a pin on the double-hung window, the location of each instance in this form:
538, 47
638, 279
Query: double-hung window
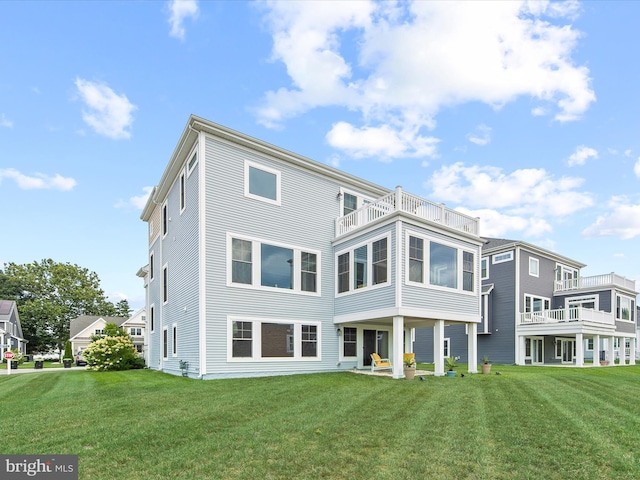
261, 339
624, 308
257, 263
533, 303
365, 265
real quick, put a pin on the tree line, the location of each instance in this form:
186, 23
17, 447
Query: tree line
49, 295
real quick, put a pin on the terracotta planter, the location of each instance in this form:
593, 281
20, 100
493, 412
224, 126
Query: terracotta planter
409, 373
604, 363
486, 368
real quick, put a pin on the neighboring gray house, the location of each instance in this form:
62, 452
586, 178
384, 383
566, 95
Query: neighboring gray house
10, 329
264, 262
81, 329
537, 309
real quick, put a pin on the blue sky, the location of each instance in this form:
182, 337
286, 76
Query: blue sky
522, 113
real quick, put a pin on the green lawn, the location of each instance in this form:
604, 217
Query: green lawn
527, 423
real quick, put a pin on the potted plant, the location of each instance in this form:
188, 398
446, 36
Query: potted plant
67, 360
486, 366
409, 367
451, 365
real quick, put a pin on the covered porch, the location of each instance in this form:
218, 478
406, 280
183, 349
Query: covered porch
393, 336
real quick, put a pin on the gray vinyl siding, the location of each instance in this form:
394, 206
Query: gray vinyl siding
179, 253
155, 291
375, 297
625, 327
604, 299
542, 285
305, 219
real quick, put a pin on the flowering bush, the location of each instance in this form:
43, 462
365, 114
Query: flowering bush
112, 353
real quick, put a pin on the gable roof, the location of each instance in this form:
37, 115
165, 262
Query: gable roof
498, 244
77, 325
9, 313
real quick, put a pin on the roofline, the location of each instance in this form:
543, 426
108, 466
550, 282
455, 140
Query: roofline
534, 248
197, 125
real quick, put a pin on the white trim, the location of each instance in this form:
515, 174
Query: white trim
632, 308
164, 289
152, 318
536, 262
446, 343
485, 259
151, 265
247, 166
398, 280
427, 314
256, 261
426, 270
202, 257
568, 301
361, 199
182, 191
498, 257
370, 286
256, 340
164, 219
174, 340
194, 153
164, 346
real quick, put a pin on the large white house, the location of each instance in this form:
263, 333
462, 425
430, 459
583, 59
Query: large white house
264, 262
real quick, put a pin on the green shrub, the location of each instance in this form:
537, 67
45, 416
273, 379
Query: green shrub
68, 354
112, 353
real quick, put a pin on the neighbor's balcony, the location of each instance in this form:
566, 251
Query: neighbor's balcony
574, 314
400, 201
594, 282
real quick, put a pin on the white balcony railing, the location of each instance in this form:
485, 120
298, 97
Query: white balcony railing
594, 282
573, 314
407, 203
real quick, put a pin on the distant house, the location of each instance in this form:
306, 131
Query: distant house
265, 262
10, 328
84, 327
537, 309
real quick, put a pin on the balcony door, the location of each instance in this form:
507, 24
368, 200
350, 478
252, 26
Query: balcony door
374, 341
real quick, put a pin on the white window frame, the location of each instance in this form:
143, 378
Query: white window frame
486, 260
545, 300
174, 340
247, 165
447, 347
151, 267
361, 200
182, 193
534, 271
351, 250
164, 221
191, 164
502, 257
572, 302
164, 342
256, 339
152, 318
426, 268
164, 290
256, 262
632, 308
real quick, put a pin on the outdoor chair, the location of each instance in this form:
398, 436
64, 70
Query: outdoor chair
378, 363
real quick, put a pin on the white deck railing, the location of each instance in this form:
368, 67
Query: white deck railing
595, 282
573, 314
407, 203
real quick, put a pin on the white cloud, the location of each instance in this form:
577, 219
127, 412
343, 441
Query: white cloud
489, 52
581, 155
524, 192
5, 122
383, 141
627, 153
179, 10
636, 168
496, 224
481, 136
38, 181
137, 201
108, 113
622, 221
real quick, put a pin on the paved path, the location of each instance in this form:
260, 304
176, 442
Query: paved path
22, 370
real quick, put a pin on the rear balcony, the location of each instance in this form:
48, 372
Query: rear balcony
399, 201
594, 282
568, 315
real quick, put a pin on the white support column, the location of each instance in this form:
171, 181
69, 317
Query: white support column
596, 350
612, 352
521, 350
472, 347
622, 356
632, 351
398, 347
438, 348
579, 350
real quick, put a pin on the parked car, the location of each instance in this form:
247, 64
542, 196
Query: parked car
80, 361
